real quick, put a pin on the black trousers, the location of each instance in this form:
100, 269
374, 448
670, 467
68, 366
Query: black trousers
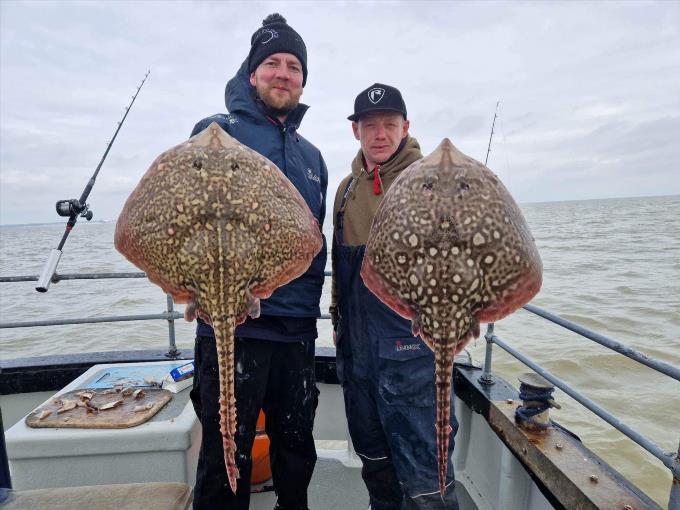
279, 378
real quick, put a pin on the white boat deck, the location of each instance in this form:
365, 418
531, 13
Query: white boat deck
165, 449
496, 464
336, 486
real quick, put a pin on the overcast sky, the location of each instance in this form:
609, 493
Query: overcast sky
590, 92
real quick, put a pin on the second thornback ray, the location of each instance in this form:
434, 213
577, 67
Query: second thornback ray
448, 249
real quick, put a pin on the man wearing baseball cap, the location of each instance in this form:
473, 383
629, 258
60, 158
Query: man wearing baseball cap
386, 373
274, 353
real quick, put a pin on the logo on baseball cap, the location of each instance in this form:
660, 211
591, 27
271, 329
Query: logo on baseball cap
378, 98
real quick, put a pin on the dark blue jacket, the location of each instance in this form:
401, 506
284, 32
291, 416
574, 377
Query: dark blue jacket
300, 161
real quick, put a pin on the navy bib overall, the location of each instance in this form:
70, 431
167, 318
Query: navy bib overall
387, 376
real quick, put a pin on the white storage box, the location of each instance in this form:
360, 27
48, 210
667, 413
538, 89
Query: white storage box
164, 449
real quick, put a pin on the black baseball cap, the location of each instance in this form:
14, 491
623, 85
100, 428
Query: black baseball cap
378, 98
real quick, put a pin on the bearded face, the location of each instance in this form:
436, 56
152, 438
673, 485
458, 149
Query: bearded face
278, 82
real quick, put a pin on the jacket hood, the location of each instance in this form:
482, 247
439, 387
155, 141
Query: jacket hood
409, 152
240, 98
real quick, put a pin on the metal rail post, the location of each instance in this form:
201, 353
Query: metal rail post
674, 500
486, 377
172, 352
5, 479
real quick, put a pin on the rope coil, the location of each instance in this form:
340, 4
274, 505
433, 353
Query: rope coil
541, 400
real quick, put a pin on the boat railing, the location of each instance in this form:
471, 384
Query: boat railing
169, 315
669, 459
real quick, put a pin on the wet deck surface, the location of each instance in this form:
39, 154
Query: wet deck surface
337, 487
334, 487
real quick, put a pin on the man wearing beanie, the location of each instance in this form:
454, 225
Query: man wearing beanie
386, 373
274, 353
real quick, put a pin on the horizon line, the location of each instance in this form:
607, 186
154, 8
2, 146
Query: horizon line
39, 223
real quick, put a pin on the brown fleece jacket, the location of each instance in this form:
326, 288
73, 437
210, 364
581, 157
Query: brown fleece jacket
362, 203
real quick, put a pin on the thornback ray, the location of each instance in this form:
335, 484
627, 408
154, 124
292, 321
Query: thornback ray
449, 248
219, 227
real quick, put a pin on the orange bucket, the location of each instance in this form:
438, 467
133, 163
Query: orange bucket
262, 470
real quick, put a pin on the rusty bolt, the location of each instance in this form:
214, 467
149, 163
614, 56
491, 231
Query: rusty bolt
509, 401
593, 478
559, 446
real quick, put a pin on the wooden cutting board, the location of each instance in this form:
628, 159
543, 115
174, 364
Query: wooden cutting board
149, 402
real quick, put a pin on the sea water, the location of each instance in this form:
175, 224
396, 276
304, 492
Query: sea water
611, 265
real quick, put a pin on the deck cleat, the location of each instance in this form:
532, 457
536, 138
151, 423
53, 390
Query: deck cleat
535, 392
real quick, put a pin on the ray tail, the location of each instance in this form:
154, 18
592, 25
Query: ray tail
444, 355
224, 340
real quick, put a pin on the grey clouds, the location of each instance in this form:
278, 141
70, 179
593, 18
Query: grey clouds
588, 90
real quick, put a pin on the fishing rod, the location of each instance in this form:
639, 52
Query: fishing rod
486, 379
488, 149
78, 207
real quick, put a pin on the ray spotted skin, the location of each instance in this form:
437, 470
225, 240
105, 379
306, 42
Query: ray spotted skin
448, 249
218, 226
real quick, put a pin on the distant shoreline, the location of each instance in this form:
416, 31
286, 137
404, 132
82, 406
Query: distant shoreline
47, 223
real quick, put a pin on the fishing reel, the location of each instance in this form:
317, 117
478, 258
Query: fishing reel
73, 207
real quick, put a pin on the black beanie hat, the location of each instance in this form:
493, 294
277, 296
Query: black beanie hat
276, 36
378, 98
